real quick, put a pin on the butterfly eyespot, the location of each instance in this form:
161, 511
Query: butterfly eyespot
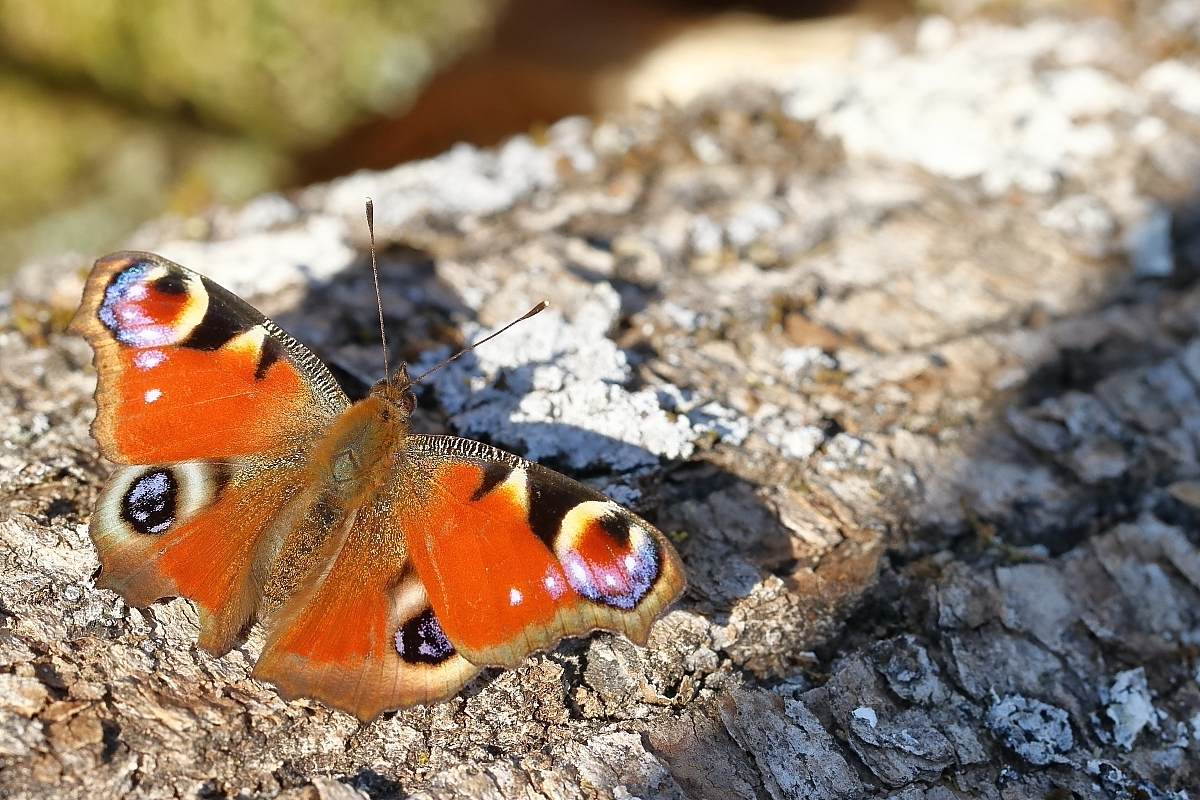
420, 640
148, 305
606, 555
150, 503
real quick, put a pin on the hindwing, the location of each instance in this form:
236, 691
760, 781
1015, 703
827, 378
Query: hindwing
205, 530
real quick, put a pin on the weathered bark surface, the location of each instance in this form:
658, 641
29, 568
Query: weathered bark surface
927, 442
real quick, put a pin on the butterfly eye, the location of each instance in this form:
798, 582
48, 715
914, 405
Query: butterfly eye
397, 392
408, 401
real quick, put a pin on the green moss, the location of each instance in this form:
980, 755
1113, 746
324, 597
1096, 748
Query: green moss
112, 111
290, 72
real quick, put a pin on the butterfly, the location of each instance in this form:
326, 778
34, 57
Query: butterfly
388, 567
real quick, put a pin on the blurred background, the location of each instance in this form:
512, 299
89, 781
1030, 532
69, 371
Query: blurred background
115, 112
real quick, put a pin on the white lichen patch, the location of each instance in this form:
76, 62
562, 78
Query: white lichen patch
1038, 732
551, 388
270, 262
970, 103
1130, 707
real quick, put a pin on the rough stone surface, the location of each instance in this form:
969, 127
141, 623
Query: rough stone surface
925, 424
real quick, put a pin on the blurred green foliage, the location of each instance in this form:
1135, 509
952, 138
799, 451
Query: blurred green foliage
113, 110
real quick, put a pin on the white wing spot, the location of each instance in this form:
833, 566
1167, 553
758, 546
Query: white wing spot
514, 597
553, 586
610, 580
151, 395
148, 359
630, 563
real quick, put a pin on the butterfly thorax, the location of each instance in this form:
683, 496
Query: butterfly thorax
356, 454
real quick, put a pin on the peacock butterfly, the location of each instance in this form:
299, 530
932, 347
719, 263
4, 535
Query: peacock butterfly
388, 566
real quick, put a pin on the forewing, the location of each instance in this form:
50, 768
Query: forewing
187, 370
360, 635
514, 556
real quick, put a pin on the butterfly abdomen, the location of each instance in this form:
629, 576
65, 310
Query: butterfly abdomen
349, 471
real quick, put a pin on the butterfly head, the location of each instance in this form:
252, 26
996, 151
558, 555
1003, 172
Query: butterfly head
397, 391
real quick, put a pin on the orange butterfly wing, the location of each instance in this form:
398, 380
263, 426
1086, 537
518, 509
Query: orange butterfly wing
188, 370
361, 636
213, 402
204, 530
515, 556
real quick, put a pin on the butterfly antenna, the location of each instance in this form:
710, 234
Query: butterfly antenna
539, 308
375, 275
